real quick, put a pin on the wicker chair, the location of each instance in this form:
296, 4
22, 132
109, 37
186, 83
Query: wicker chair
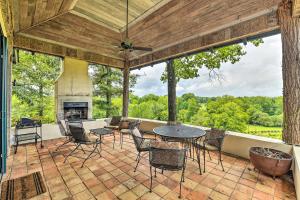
65, 133
142, 144
212, 141
167, 157
80, 138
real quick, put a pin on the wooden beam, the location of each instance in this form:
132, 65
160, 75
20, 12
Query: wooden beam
171, 92
290, 27
250, 28
57, 50
125, 90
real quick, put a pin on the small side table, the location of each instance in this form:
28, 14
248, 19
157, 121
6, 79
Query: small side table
100, 132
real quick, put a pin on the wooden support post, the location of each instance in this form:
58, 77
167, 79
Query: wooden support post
125, 90
171, 93
290, 35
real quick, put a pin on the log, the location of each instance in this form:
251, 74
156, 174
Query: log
290, 35
171, 92
125, 90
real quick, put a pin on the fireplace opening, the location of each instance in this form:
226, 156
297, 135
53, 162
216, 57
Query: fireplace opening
75, 110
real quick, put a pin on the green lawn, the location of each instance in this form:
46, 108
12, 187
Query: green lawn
272, 132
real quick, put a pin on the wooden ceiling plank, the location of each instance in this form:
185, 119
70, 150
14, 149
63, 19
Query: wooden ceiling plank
157, 5
39, 11
67, 5
16, 15
57, 50
113, 11
23, 17
106, 18
71, 45
158, 30
258, 25
70, 29
296, 8
86, 25
98, 22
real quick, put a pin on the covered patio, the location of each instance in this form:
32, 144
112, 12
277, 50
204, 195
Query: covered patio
93, 31
112, 176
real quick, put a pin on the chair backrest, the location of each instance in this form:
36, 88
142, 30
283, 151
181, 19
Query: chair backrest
167, 158
78, 134
62, 129
115, 121
134, 124
215, 137
137, 138
77, 123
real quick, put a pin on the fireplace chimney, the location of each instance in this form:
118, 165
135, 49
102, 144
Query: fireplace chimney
73, 91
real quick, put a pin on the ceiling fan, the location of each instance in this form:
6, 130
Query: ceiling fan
127, 44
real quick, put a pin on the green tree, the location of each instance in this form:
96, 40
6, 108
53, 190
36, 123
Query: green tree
108, 83
188, 67
34, 77
224, 113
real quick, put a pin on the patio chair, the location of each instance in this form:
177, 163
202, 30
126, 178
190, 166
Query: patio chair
114, 124
141, 143
126, 127
64, 133
212, 141
167, 156
81, 138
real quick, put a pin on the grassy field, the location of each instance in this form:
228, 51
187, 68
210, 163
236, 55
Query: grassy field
271, 132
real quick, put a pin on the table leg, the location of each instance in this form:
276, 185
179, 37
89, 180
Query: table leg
41, 130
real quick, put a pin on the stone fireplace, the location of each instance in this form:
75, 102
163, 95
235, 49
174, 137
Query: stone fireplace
73, 91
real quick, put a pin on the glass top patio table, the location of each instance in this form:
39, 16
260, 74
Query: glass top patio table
179, 131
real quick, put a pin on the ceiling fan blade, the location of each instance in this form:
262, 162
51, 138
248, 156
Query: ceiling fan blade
142, 48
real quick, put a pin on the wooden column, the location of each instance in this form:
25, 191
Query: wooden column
125, 90
290, 35
171, 93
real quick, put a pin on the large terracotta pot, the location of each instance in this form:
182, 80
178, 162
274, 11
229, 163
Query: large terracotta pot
274, 166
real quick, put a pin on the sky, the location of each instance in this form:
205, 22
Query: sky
258, 73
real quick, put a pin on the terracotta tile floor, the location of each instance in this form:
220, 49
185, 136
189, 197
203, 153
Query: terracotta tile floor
112, 176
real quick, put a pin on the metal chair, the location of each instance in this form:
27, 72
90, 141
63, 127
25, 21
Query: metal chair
81, 138
65, 133
142, 144
126, 127
114, 124
212, 141
167, 157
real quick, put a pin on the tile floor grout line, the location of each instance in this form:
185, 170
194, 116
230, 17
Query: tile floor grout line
43, 171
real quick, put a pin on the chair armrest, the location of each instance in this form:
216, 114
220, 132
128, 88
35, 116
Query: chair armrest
218, 139
151, 139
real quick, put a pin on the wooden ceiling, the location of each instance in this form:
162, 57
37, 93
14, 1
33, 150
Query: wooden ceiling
112, 13
296, 8
97, 26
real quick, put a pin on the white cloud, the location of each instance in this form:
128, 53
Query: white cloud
258, 73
